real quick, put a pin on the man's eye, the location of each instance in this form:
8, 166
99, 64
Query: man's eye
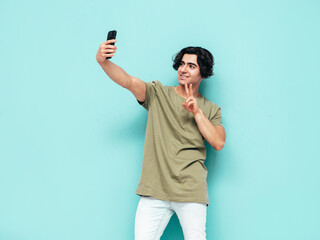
181, 63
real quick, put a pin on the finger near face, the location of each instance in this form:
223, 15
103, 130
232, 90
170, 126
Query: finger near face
186, 89
190, 89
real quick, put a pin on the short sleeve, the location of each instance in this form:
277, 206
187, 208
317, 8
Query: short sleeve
216, 119
151, 92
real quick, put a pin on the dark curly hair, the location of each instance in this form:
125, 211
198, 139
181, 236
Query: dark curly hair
204, 58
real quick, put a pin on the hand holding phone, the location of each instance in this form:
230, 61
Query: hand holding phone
111, 35
107, 48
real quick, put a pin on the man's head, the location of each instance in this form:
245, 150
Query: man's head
205, 60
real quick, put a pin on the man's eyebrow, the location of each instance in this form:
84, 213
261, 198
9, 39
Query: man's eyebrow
190, 63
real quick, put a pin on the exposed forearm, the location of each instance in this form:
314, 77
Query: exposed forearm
116, 73
215, 135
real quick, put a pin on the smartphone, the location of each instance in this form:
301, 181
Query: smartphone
111, 35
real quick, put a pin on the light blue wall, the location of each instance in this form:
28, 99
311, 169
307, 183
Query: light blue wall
72, 141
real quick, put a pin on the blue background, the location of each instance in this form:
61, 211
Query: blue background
72, 140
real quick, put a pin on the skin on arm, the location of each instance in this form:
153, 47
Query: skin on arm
215, 135
117, 74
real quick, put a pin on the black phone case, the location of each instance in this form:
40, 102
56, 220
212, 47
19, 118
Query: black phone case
111, 35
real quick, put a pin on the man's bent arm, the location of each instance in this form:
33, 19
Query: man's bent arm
117, 74
121, 77
215, 135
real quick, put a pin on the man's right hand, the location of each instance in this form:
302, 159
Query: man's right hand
106, 50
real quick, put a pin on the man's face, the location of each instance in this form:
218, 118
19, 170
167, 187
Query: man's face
189, 70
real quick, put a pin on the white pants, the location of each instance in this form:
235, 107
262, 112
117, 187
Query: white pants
153, 215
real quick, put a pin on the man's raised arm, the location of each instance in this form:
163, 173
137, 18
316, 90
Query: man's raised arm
117, 74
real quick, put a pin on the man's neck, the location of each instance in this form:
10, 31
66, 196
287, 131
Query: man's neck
180, 90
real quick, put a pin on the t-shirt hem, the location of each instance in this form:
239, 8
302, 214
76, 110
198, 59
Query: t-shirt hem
173, 199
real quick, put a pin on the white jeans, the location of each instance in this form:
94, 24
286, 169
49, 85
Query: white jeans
153, 215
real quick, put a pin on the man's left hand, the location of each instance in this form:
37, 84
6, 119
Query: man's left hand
191, 104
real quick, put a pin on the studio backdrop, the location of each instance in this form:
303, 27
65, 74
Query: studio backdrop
71, 140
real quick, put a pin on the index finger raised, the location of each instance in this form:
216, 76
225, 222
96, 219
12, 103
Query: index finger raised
190, 90
186, 89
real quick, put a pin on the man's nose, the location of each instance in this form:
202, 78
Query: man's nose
184, 68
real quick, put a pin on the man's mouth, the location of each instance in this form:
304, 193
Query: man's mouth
183, 77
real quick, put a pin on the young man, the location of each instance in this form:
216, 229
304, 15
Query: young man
174, 177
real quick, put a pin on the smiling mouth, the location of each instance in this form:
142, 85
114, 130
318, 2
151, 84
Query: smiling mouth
183, 77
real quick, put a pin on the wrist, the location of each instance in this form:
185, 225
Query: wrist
198, 113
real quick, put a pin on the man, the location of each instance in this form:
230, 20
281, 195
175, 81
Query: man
174, 177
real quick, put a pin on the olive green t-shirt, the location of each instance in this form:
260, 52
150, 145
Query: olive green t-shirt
174, 152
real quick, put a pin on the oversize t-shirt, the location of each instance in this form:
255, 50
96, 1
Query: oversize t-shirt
174, 152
